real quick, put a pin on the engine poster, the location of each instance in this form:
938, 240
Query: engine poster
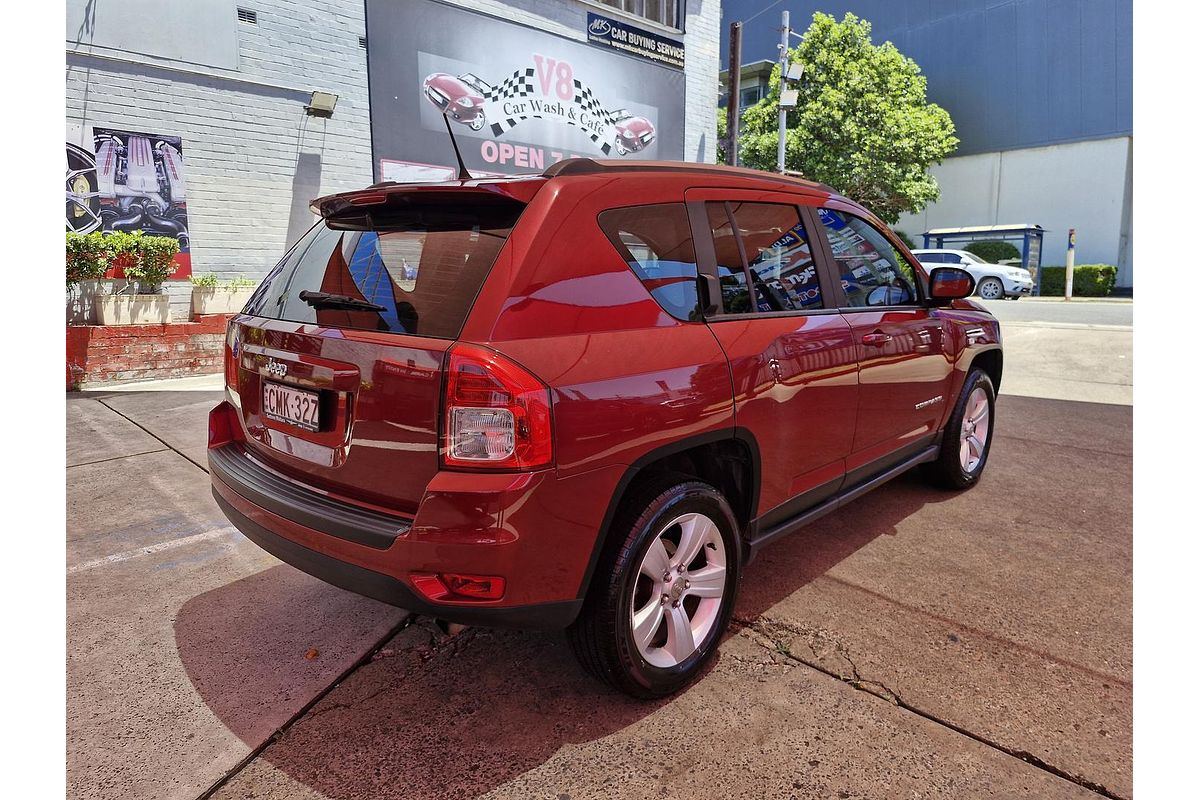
130, 182
514, 109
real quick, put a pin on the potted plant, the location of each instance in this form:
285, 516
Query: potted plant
147, 262
88, 257
212, 296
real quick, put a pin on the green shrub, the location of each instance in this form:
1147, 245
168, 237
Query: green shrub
993, 251
149, 260
1089, 280
88, 257
904, 237
210, 281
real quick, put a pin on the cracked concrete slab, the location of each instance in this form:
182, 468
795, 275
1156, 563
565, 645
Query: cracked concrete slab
179, 418
114, 506
182, 662
509, 715
165, 646
1006, 613
98, 433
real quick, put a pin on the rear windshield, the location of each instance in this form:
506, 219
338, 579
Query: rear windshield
411, 268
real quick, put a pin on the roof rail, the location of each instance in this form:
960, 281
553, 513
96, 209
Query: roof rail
591, 166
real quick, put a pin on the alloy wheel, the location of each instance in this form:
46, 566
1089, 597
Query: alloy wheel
679, 590
990, 289
976, 425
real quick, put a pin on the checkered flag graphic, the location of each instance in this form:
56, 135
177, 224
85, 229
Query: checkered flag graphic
520, 84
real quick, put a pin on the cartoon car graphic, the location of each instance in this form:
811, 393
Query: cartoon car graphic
460, 98
633, 133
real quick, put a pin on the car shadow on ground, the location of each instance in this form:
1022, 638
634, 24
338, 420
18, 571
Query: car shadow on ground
435, 716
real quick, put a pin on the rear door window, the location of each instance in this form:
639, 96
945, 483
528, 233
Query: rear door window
764, 245
656, 242
413, 269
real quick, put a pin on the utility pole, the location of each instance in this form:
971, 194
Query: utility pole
783, 69
733, 105
1070, 276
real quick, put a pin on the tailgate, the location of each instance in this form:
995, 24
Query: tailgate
377, 398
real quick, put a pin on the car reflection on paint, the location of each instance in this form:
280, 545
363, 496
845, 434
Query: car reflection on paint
634, 133
460, 98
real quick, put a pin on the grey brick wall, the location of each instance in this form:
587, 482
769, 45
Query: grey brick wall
255, 159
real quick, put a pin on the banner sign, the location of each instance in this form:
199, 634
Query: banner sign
130, 181
515, 108
608, 32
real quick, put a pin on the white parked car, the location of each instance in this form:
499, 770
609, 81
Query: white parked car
992, 281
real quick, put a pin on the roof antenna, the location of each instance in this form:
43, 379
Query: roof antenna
463, 175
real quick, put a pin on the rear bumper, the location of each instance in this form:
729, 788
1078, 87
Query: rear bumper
533, 529
387, 589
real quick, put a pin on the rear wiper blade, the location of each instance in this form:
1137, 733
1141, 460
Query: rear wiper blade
342, 301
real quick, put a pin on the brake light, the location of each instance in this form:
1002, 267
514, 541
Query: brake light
232, 344
496, 414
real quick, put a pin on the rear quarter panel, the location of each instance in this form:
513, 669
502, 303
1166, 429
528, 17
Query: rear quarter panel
626, 377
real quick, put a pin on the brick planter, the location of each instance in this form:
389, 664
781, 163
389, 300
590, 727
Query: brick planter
100, 354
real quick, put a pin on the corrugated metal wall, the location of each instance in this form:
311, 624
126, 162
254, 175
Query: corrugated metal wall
1012, 73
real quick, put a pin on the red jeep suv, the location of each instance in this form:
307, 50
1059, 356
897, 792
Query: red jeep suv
584, 399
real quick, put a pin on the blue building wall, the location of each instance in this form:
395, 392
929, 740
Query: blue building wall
1012, 73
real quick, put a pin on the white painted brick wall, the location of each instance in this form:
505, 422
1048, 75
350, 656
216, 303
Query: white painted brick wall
250, 148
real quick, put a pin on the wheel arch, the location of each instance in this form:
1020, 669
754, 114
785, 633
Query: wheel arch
991, 361
706, 457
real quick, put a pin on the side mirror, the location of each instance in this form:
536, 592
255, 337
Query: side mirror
949, 283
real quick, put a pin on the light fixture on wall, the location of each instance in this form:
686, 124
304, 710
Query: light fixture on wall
321, 105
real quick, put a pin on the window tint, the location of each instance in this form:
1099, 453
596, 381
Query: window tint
873, 273
421, 265
656, 242
731, 271
780, 260
777, 258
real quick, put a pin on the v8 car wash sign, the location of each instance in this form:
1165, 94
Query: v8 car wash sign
518, 99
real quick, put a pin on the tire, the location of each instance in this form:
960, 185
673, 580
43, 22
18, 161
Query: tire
990, 289
477, 123
603, 636
954, 468
621, 149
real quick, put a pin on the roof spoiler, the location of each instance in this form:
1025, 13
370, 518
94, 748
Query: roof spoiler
591, 166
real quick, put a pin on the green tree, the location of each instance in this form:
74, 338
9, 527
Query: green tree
861, 123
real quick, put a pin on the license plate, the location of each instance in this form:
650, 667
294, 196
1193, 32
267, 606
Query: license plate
294, 406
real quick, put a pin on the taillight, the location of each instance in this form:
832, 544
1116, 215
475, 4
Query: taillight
496, 414
232, 344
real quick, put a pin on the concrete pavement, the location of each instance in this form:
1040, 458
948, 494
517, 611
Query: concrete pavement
916, 643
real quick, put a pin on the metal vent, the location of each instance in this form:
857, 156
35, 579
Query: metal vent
246, 15
362, 42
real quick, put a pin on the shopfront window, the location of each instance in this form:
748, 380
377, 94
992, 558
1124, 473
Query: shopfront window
664, 12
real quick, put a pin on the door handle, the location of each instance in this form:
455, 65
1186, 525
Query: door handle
876, 339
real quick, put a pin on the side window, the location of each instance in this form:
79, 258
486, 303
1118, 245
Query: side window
780, 260
656, 242
873, 273
767, 244
731, 271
